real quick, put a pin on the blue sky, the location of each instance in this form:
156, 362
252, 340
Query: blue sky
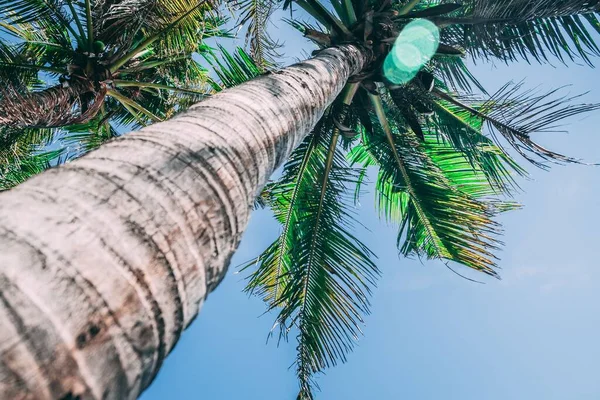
433, 335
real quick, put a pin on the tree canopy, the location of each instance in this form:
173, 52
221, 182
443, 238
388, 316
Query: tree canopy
75, 73
438, 145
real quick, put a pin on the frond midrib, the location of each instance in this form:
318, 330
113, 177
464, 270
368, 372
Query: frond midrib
283, 243
411, 191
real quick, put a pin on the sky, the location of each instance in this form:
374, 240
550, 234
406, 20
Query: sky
431, 334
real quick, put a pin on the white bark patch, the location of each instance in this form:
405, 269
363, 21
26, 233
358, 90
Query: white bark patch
106, 260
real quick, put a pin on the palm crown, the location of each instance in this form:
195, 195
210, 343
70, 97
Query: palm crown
442, 171
77, 70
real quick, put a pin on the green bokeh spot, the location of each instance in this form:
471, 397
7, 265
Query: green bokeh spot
413, 48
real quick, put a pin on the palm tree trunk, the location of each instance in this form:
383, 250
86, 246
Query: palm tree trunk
105, 261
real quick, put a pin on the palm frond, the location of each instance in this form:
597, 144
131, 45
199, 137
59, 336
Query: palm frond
317, 273
345, 10
255, 15
434, 119
16, 71
22, 154
525, 29
517, 113
80, 139
476, 180
455, 73
323, 15
48, 15
439, 217
453, 126
232, 69
29, 48
170, 27
21, 169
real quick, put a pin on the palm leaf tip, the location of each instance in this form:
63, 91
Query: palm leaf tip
316, 273
516, 114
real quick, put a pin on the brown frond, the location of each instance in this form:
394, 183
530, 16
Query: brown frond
72, 102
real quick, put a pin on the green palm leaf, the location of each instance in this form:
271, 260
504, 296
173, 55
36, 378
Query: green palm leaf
317, 273
232, 69
169, 28
440, 217
255, 15
22, 154
50, 15
517, 113
524, 29
83, 138
459, 129
431, 117
453, 71
21, 169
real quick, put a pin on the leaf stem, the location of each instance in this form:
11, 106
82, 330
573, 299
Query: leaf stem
288, 218
124, 83
90, 25
127, 102
379, 110
153, 64
328, 164
349, 92
347, 4
408, 7
493, 121
326, 16
76, 18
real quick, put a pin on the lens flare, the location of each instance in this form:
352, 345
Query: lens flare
413, 48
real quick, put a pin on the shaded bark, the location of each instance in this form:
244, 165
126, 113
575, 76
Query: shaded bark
107, 259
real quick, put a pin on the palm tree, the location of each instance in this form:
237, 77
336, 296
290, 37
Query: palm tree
78, 72
108, 258
422, 130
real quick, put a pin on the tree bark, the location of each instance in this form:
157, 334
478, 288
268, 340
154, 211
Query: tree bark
104, 261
